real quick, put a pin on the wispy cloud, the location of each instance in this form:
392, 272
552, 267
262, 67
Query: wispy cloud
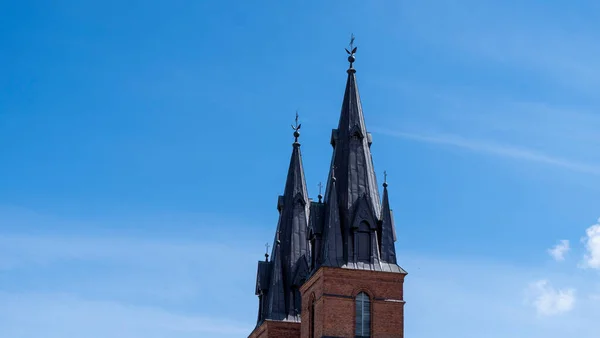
549, 301
559, 250
494, 149
77, 284
82, 286
65, 315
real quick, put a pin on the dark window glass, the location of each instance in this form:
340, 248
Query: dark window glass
363, 316
364, 246
364, 242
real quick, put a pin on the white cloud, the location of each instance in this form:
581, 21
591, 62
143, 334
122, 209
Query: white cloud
549, 301
591, 259
559, 250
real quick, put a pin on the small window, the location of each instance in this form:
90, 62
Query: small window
363, 316
364, 246
363, 242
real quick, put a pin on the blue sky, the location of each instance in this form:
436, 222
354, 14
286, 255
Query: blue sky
143, 146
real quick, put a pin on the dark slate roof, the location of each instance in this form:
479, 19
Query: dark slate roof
263, 277
355, 190
388, 236
332, 249
275, 306
289, 257
317, 218
352, 155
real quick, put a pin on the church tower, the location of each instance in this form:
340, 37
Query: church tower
333, 269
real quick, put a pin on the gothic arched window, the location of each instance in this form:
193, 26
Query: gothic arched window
363, 316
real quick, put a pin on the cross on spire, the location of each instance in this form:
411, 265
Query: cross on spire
267, 252
385, 179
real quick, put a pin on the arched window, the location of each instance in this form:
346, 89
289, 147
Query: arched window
363, 316
311, 328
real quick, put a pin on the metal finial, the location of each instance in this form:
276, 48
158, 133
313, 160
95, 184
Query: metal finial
320, 188
296, 129
267, 252
385, 179
352, 51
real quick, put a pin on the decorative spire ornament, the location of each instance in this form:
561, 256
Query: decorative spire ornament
296, 129
352, 51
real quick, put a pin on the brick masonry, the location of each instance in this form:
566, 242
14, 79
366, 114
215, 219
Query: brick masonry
333, 291
276, 329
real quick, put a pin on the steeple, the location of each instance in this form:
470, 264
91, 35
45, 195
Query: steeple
356, 184
317, 244
351, 143
349, 229
289, 259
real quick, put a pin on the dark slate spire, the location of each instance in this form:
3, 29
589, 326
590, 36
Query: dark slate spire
356, 185
354, 193
388, 233
332, 249
290, 255
352, 154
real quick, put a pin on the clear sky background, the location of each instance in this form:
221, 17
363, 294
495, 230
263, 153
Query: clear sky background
143, 145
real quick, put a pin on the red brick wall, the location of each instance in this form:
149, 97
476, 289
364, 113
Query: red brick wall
334, 290
276, 329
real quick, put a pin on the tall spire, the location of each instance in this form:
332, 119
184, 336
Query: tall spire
289, 259
351, 143
356, 185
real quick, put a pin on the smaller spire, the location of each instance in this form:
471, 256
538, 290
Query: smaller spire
352, 51
320, 188
388, 232
332, 248
267, 253
385, 179
296, 129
